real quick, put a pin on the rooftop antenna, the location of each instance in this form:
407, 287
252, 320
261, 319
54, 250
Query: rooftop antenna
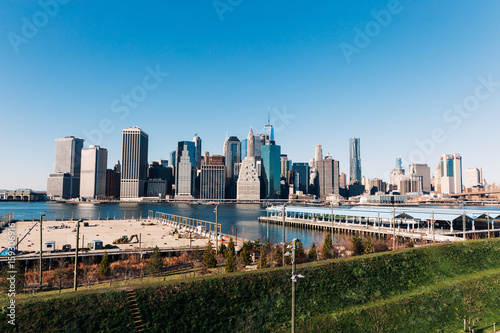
268, 116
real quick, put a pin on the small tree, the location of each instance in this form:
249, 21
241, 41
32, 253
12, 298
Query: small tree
104, 266
327, 249
313, 253
245, 257
263, 258
278, 255
222, 249
358, 247
368, 245
300, 252
155, 264
230, 265
209, 256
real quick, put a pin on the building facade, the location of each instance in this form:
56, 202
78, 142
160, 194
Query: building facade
185, 170
355, 160
328, 177
93, 172
451, 174
134, 163
68, 161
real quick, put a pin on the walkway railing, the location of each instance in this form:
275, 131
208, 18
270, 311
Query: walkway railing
200, 226
6, 218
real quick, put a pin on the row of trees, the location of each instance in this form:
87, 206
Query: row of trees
271, 255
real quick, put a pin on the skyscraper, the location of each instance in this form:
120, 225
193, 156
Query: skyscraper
422, 170
232, 156
134, 163
197, 152
355, 160
271, 161
318, 154
93, 172
474, 177
185, 169
451, 174
68, 161
213, 178
301, 172
248, 185
328, 177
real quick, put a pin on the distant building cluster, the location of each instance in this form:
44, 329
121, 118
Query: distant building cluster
248, 170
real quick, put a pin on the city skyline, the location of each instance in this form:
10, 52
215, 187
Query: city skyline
418, 86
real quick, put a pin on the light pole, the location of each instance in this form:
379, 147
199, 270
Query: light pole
216, 210
331, 216
393, 228
267, 210
75, 277
294, 279
284, 212
41, 248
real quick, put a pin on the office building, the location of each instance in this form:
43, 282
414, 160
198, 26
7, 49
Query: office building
213, 180
249, 182
328, 177
134, 163
271, 161
301, 172
355, 160
232, 156
451, 174
422, 170
318, 155
93, 172
474, 177
197, 152
68, 161
185, 170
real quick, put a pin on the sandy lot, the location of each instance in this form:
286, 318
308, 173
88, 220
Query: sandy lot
62, 233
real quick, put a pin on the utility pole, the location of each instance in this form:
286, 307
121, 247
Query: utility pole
41, 250
463, 225
75, 277
488, 221
294, 280
433, 229
216, 229
393, 228
284, 206
331, 216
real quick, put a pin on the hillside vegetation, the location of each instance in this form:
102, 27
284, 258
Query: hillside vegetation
426, 289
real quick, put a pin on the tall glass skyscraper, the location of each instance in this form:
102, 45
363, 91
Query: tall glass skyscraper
301, 177
355, 159
271, 160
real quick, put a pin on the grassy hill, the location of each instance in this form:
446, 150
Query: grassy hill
428, 289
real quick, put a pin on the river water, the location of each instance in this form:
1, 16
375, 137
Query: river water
240, 218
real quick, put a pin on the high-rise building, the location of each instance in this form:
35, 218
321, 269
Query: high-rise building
422, 170
185, 169
318, 154
343, 180
134, 163
197, 152
213, 179
159, 179
271, 161
249, 182
68, 161
285, 166
474, 177
93, 172
377, 185
328, 177
451, 174
301, 173
112, 184
232, 156
355, 160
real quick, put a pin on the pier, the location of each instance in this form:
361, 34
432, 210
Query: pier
436, 225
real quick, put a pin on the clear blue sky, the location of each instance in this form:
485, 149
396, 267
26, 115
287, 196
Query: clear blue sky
65, 70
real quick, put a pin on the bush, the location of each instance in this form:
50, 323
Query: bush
104, 266
209, 256
155, 263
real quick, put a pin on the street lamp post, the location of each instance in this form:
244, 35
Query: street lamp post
41, 250
331, 216
216, 229
75, 277
294, 279
284, 216
267, 210
393, 229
